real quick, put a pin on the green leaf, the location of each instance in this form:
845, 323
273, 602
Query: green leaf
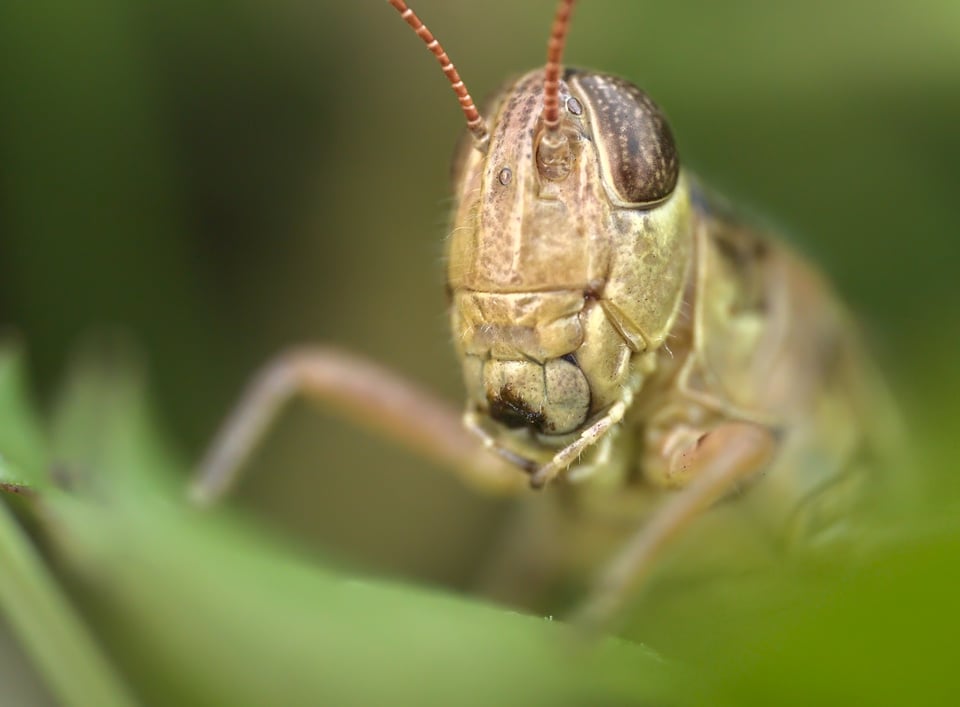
201, 609
51, 632
23, 458
885, 635
103, 427
30, 598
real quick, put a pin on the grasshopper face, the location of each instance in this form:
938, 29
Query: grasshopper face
568, 259
575, 248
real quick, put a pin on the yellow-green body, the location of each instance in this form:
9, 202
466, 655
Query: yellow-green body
568, 299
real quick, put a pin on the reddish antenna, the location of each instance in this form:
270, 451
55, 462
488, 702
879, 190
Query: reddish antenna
551, 74
475, 123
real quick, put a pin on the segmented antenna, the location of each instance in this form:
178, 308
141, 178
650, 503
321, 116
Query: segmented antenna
551, 78
475, 123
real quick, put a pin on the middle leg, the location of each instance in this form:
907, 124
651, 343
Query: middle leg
715, 462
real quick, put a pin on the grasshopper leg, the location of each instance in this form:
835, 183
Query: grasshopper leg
569, 454
371, 395
715, 463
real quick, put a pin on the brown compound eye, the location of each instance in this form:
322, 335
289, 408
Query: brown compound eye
637, 151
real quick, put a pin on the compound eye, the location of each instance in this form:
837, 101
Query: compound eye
637, 151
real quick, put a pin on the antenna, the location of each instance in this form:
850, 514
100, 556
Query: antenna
551, 77
475, 123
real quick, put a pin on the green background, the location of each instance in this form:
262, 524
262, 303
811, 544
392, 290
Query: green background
220, 180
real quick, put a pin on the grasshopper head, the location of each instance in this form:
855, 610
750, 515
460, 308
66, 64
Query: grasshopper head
568, 255
569, 252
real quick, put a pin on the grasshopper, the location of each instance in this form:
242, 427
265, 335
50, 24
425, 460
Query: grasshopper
624, 336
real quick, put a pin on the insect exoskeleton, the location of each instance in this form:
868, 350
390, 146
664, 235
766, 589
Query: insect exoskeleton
618, 324
569, 256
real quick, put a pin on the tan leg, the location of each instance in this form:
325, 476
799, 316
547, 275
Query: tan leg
566, 456
602, 460
371, 395
715, 462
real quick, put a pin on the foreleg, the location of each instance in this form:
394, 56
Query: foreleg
364, 391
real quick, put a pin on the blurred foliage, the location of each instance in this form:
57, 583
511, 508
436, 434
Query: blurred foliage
197, 608
222, 179
156, 600
21, 436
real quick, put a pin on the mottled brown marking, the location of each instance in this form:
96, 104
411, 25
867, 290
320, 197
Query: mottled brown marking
511, 410
741, 250
634, 138
745, 253
15, 489
593, 290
